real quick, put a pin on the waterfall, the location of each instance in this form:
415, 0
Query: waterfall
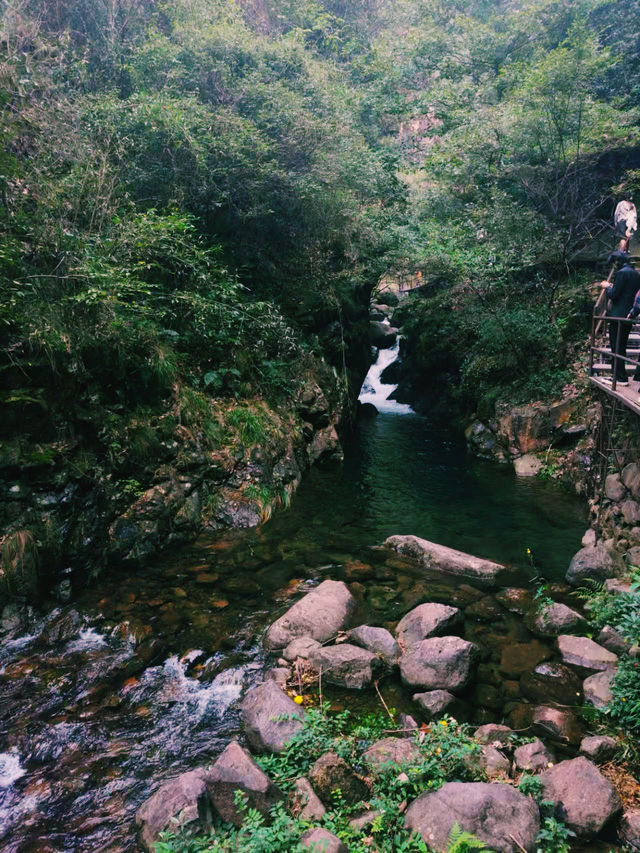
374, 391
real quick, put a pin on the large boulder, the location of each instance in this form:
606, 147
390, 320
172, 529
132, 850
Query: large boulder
426, 620
450, 562
552, 682
440, 663
177, 798
345, 665
376, 640
235, 770
585, 800
320, 614
502, 817
391, 750
595, 562
597, 688
553, 619
434, 704
331, 773
263, 711
319, 840
583, 653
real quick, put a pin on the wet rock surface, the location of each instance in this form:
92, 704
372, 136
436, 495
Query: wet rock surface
177, 799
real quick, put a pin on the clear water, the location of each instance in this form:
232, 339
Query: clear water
147, 685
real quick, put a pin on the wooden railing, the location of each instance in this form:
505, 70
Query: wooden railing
599, 318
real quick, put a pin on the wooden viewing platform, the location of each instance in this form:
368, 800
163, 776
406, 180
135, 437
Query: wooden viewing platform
628, 395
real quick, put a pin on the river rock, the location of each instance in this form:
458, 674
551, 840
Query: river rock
515, 599
517, 658
320, 614
598, 748
629, 828
306, 803
364, 820
261, 709
552, 682
596, 563
489, 761
450, 562
345, 665
614, 488
330, 773
300, 648
618, 585
550, 620
483, 442
613, 641
440, 663
391, 750
426, 620
493, 733
279, 674
585, 800
502, 817
320, 840
528, 465
558, 724
597, 688
584, 653
61, 628
434, 704
235, 770
486, 609
533, 757
177, 798
378, 641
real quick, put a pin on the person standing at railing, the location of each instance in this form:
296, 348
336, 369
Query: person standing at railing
626, 222
622, 294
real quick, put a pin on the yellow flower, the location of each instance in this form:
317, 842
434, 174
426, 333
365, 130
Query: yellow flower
529, 551
298, 700
438, 751
623, 699
444, 723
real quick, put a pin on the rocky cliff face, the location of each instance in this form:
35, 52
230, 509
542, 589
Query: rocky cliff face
63, 523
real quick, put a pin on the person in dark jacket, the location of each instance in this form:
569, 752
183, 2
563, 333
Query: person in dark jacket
622, 294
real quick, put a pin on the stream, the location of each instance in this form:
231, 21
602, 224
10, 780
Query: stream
139, 677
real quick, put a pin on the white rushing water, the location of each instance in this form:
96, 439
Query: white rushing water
10, 769
374, 391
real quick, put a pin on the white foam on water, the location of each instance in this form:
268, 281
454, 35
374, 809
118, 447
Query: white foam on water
88, 640
10, 769
376, 392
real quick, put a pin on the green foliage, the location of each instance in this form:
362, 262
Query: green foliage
249, 423
464, 842
624, 709
445, 750
553, 837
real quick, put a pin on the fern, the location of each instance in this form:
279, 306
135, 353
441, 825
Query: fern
464, 842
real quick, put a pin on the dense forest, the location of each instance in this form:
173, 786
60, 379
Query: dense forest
199, 196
